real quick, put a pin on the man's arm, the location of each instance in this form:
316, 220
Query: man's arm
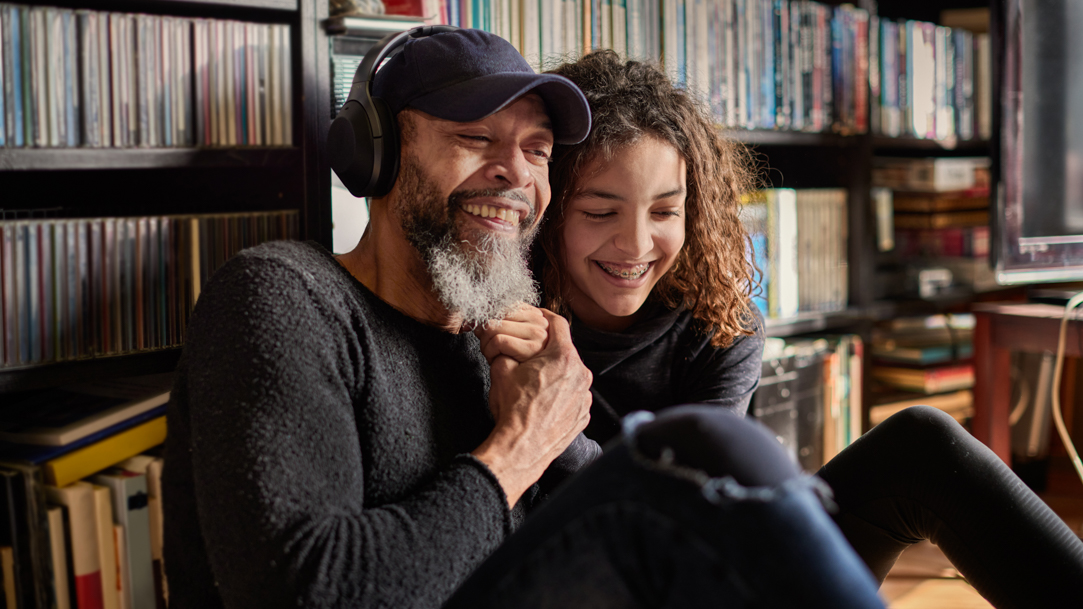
540, 406
280, 484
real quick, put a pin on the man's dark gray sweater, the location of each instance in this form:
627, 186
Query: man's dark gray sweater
318, 446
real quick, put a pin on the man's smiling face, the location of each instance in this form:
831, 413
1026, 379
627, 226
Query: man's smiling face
470, 199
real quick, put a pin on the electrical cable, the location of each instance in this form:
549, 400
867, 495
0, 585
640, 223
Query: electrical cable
1020, 407
1073, 302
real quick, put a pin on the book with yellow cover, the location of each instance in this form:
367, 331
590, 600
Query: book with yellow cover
81, 463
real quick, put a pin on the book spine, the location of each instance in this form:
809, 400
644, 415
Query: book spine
58, 550
130, 510
107, 551
78, 498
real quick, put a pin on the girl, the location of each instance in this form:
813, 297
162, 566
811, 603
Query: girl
644, 252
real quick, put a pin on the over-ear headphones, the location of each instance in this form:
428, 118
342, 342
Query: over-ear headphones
363, 142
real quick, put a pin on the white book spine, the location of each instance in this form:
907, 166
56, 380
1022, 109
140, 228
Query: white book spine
287, 79
531, 34
105, 97
54, 54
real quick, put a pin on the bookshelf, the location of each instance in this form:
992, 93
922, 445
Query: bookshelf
206, 180
83, 182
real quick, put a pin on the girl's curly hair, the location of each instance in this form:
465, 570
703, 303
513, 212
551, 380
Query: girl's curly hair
628, 101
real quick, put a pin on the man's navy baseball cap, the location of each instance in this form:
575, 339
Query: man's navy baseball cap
466, 75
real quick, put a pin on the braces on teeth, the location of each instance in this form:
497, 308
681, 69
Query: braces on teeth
626, 274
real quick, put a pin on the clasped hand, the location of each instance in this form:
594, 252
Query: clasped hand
539, 395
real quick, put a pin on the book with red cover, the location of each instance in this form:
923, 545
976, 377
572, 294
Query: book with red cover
82, 529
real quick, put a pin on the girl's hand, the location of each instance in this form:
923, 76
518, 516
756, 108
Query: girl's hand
521, 335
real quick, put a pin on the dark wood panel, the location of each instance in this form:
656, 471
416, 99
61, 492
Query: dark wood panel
152, 192
805, 323
247, 10
63, 373
50, 159
887, 145
788, 138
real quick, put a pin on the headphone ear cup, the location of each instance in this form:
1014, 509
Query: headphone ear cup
386, 150
350, 148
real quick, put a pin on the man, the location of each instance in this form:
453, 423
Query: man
337, 438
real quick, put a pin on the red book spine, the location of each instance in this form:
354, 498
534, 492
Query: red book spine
88, 590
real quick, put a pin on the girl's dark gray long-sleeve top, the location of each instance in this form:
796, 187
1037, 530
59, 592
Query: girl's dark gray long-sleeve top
664, 360
318, 447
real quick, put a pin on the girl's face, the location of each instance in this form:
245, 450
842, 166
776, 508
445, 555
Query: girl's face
623, 229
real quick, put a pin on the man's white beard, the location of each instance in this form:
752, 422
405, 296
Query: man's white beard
482, 280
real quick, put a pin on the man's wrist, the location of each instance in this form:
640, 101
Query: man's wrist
498, 463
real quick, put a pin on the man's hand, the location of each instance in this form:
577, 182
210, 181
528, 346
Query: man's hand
540, 405
521, 335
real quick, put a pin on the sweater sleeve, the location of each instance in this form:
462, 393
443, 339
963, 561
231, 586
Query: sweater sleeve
727, 377
278, 469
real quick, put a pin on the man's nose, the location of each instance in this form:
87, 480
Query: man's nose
510, 166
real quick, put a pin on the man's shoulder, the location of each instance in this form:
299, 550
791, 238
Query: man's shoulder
281, 263
274, 274
288, 254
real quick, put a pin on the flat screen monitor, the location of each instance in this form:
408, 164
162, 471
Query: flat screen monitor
1039, 224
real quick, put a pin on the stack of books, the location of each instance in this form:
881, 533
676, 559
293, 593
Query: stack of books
81, 510
923, 360
799, 249
939, 210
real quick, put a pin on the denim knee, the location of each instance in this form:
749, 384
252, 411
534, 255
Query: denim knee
713, 440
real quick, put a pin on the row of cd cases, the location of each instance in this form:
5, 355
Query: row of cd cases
82, 78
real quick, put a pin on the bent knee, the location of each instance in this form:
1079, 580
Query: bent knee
719, 443
923, 421
941, 438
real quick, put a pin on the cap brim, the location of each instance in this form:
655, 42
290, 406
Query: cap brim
474, 99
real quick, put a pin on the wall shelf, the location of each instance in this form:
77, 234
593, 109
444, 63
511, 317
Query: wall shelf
62, 373
66, 159
805, 323
882, 143
788, 138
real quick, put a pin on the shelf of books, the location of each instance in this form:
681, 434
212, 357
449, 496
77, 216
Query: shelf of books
810, 395
932, 216
782, 65
923, 360
141, 146
93, 79
75, 289
83, 512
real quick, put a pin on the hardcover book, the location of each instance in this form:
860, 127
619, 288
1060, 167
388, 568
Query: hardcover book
82, 528
58, 417
927, 380
130, 510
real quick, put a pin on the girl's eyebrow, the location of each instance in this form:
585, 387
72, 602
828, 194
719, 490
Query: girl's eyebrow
600, 194
672, 193
603, 194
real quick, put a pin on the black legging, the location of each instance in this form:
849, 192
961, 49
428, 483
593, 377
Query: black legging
919, 475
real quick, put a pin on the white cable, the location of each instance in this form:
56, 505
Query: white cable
1024, 398
1073, 302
